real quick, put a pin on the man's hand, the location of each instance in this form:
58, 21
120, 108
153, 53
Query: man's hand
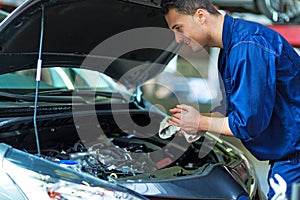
185, 117
192, 122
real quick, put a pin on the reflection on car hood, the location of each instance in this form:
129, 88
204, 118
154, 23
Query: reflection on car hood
73, 29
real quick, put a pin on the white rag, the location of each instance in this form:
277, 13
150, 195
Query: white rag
166, 131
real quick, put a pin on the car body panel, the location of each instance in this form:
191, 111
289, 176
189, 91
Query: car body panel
82, 27
193, 187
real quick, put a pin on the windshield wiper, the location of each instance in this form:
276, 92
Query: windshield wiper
60, 96
31, 98
81, 93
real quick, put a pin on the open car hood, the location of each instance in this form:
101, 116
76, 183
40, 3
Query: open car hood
123, 39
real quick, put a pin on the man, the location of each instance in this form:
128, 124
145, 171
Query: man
261, 76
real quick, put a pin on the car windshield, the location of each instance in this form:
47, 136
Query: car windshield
60, 81
3, 15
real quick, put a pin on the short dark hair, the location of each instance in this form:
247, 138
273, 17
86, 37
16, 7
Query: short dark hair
188, 7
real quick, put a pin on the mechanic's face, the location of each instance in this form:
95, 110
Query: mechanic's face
188, 29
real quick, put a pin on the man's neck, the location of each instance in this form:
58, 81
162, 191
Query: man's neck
216, 22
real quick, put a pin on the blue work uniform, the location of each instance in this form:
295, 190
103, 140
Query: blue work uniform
260, 72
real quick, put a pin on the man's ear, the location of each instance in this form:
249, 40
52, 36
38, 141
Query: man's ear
200, 15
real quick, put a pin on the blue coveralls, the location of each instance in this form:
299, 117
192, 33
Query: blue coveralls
260, 72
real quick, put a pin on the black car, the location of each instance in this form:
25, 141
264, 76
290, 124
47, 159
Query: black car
74, 123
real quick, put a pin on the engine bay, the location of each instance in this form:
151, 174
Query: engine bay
124, 158
109, 152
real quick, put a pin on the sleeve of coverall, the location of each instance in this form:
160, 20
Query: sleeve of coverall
252, 95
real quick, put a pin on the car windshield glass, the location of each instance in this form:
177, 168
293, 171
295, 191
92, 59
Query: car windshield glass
59, 81
3, 15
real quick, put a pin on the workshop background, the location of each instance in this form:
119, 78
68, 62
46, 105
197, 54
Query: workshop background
192, 77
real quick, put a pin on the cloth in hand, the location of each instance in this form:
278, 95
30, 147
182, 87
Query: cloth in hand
166, 131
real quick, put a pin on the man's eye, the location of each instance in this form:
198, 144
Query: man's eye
178, 29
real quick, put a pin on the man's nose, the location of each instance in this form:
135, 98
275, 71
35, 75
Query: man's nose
178, 37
